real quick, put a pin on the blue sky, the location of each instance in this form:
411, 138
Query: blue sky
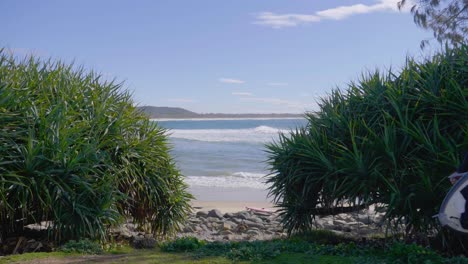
218, 56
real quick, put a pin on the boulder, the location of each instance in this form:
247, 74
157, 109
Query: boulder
228, 215
215, 213
365, 219
202, 214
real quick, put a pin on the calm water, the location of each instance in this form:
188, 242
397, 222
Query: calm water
225, 153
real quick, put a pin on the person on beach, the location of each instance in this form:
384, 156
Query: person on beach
463, 205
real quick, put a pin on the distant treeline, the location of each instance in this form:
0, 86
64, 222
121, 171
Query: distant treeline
176, 112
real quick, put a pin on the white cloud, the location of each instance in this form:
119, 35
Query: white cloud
241, 94
278, 84
232, 81
338, 13
284, 20
181, 100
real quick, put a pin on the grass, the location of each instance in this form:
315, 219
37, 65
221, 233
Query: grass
294, 250
156, 256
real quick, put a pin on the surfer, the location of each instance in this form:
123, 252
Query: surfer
454, 209
462, 171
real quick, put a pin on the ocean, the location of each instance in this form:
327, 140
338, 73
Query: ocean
225, 153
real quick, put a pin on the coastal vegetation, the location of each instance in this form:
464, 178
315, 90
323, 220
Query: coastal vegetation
291, 250
388, 140
76, 155
446, 19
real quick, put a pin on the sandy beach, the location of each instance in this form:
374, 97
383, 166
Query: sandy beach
229, 200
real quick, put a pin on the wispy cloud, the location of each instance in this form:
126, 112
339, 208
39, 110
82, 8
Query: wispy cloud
241, 94
274, 20
277, 84
181, 100
284, 20
232, 81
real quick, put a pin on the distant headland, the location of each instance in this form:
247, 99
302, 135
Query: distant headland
162, 112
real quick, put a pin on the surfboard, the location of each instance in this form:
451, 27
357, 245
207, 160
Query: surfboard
260, 210
454, 205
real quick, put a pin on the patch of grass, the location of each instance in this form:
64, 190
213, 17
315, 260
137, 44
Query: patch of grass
192, 250
319, 237
84, 246
255, 251
185, 244
23, 258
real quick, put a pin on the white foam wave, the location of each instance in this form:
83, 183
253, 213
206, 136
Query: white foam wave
260, 134
236, 180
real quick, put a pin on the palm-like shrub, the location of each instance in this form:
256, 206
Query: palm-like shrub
387, 140
74, 151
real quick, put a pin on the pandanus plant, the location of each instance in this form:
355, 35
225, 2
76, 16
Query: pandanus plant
388, 140
75, 152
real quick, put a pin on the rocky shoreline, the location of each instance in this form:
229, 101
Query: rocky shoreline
213, 225
252, 225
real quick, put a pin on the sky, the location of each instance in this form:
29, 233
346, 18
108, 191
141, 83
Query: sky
218, 56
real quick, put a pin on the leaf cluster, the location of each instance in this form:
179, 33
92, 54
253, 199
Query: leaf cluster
448, 19
388, 140
75, 152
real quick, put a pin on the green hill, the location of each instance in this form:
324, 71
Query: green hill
177, 112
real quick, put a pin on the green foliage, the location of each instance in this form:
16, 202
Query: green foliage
447, 19
75, 151
386, 140
411, 253
395, 252
184, 244
84, 246
319, 237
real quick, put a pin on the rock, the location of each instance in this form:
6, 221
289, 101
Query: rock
255, 219
253, 232
243, 215
365, 219
228, 215
212, 219
241, 227
344, 217
340, 222
215, 213
131, 227
202, 214
142, 242
226, 226
187, 229
253, 224
225, 232
236, 220
195, 221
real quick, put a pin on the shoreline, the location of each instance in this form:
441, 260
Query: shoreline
222, 118
229, 206
229, 200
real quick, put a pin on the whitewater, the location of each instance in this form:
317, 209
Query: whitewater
225, 153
